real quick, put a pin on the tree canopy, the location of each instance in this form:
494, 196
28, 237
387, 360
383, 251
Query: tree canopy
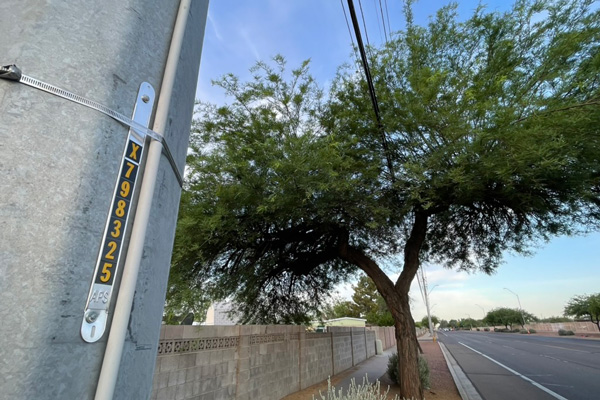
488, 142
508, 317
585, 306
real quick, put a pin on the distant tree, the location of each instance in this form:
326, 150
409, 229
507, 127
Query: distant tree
443, 324
365, 297
345, 308
508, 317
585, 306
425, 321
453, 324
467, 323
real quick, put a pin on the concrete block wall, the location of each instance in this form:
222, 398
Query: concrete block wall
386, 334
253, 362
342, 344
196, 363
317, 358
577, 327
370, 339
270, 364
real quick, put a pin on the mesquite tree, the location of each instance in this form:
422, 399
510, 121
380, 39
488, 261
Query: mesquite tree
489, 140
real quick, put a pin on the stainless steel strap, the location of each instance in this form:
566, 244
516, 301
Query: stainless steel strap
12, 72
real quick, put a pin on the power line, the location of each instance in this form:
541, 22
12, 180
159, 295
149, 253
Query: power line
387, 14
349, 30
377, 16
369, 80
383, 21
364, 23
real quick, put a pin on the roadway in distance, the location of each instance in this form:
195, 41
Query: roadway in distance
505, 366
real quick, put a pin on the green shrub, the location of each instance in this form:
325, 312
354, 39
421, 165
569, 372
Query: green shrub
523, 331
486, 329
501, 330
478, 329
562, 332
392, 369
516, 330
532, 331
366, 391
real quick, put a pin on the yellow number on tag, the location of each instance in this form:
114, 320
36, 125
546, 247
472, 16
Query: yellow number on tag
106, 272
130, 168
116, 229
120, 211
125, 188
113, 248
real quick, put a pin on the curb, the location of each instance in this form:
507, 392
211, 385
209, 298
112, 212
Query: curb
465, 388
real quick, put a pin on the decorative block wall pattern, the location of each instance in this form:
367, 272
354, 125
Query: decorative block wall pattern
255, 362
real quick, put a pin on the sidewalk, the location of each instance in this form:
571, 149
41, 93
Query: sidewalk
374, 368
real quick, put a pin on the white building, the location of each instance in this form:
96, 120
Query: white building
218, 314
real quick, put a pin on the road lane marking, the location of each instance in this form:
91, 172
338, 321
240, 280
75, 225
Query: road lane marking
565, 348
534, 383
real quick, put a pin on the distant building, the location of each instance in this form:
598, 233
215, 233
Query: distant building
218, 314
346, 321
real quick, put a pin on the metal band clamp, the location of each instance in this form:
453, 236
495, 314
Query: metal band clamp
12, 72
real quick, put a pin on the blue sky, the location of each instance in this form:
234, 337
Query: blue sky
238, 33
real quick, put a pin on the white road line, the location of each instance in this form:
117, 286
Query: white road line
534, 383
564, 348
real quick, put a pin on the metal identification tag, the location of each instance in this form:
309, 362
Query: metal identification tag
107, 265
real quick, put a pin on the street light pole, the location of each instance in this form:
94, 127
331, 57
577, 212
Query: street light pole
482, 311
470, 322
520, 308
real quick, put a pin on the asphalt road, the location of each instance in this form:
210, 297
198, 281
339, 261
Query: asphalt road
505, 366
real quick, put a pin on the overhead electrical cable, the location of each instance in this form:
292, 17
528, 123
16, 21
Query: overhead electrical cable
349, 30
387, 14
362, 14
378, 22
369, 80
383, 21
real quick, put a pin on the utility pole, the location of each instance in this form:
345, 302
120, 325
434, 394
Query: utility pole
65, 162
423, 285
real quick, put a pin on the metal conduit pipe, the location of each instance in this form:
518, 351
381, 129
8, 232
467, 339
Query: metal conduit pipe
118, 331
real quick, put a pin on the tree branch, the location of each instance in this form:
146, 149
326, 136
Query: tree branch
587, 103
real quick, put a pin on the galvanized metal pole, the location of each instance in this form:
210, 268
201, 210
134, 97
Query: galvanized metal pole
59, 163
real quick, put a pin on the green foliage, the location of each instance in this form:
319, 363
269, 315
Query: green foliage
563, 332
366, 303
489, 142
366, 391
370, 303
453, 323
508, 317
532, 331
443, 324
424, 373
340, 309
425, 321
585, 306
467, 323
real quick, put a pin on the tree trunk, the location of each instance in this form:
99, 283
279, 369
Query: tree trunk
408, 354
396, 298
